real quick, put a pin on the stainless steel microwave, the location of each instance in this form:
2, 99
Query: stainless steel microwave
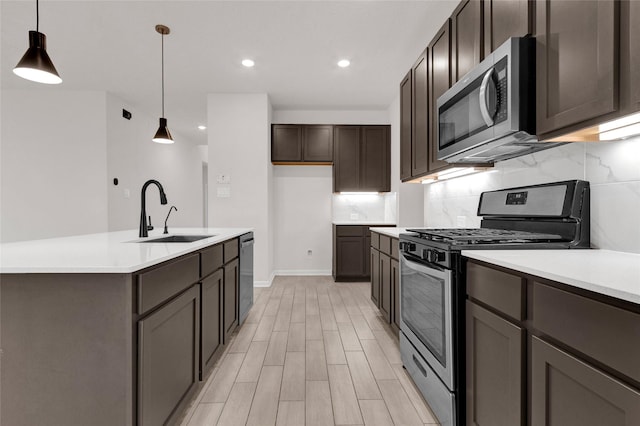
489, 115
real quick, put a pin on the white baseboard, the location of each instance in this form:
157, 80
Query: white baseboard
265, 283
303, 272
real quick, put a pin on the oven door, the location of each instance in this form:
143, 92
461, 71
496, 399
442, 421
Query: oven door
426, 313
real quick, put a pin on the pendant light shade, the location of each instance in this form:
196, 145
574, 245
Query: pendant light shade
36, 65
163, 135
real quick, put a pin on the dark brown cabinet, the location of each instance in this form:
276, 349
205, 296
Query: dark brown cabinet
406, 99
375, 277
633, 53
385, 277
230, 311
576, 63
301, 143
567, 391
495, 358
420, 116
544, 353
504, 19
211, 323
440, 64
466, 37
350, 253
361, 159
168, 357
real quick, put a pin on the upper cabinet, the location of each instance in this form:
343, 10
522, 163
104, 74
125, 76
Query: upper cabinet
576, 62
299, 143
440, 69
362, 159
420, 116
504, 19
466, 37
406, 99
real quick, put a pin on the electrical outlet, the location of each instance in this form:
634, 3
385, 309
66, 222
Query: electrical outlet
226, 179
309, 252
126, 193
224, 192
461, 221
354, 216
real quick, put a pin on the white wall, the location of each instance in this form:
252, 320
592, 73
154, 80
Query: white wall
410, 204
133, 158
239, 147
610, 167
54, 174
302, 199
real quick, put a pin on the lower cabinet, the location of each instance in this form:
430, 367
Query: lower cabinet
375, 276
211, 323
230, 309
385, 286
395, 291
543, 353
168, 358
566, 391
495, 384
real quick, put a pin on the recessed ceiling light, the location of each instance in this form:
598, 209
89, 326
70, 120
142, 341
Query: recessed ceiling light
201, 127
343, 63
248, 63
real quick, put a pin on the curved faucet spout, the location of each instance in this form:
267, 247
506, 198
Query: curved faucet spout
143, 209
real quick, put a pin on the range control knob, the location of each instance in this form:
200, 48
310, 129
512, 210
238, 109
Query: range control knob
404, 246
435, 256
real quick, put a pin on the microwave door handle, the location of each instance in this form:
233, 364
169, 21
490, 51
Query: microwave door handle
487, 88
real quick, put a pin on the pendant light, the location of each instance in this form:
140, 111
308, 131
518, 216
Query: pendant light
36, 65
163, 135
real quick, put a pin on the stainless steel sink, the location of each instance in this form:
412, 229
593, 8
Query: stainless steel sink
178, 239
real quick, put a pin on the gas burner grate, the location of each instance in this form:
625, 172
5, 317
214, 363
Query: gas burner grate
483, 236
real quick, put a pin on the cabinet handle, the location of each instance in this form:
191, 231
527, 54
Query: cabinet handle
420, 367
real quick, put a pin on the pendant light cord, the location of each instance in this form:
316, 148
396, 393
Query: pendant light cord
37, 16
162, 75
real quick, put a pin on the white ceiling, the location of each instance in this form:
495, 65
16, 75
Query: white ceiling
112, 46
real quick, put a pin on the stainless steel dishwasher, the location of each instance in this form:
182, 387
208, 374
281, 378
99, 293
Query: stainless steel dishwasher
246, 276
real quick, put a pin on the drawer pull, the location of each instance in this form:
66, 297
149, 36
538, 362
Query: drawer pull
420, 367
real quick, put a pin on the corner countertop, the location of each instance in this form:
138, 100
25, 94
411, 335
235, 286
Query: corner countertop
109, 252
394, 232
363, 222
611, 273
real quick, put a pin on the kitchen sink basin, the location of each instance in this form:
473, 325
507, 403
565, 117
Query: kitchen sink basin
178, 239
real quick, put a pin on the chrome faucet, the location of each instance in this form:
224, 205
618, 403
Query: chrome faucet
143, 211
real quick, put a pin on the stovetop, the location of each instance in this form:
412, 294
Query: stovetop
482, 236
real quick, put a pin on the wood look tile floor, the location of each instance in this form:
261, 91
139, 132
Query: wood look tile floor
311, 352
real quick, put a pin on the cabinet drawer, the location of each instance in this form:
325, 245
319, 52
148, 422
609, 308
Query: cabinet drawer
603, 332
500, 290
375, 240
350, 230
230, 250
159, 284
210, 260
394, 248
385, 244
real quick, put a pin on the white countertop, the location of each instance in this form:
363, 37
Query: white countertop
612, 273
394, 232
362, 222
110, 252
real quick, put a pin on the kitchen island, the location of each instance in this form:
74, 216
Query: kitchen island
102, 329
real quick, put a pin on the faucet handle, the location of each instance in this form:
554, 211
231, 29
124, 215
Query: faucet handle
150, 226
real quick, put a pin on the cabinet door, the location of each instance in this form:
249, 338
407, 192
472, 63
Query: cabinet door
318, 144
566, 391
405, 126
365, 253
466, 37
495, 373
350, 261
634, 52
230, 298
439, 82
211, 323
375, 276
395, 291
375, 164
286, 143
420, 120
385, 286
346, 158
504, 19
576, 62
168, 357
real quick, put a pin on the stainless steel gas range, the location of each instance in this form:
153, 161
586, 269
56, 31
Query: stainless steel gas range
432, 282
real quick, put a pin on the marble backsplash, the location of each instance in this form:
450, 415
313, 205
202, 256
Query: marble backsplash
612, 168
378, 208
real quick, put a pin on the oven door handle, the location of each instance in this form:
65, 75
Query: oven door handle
426, 269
